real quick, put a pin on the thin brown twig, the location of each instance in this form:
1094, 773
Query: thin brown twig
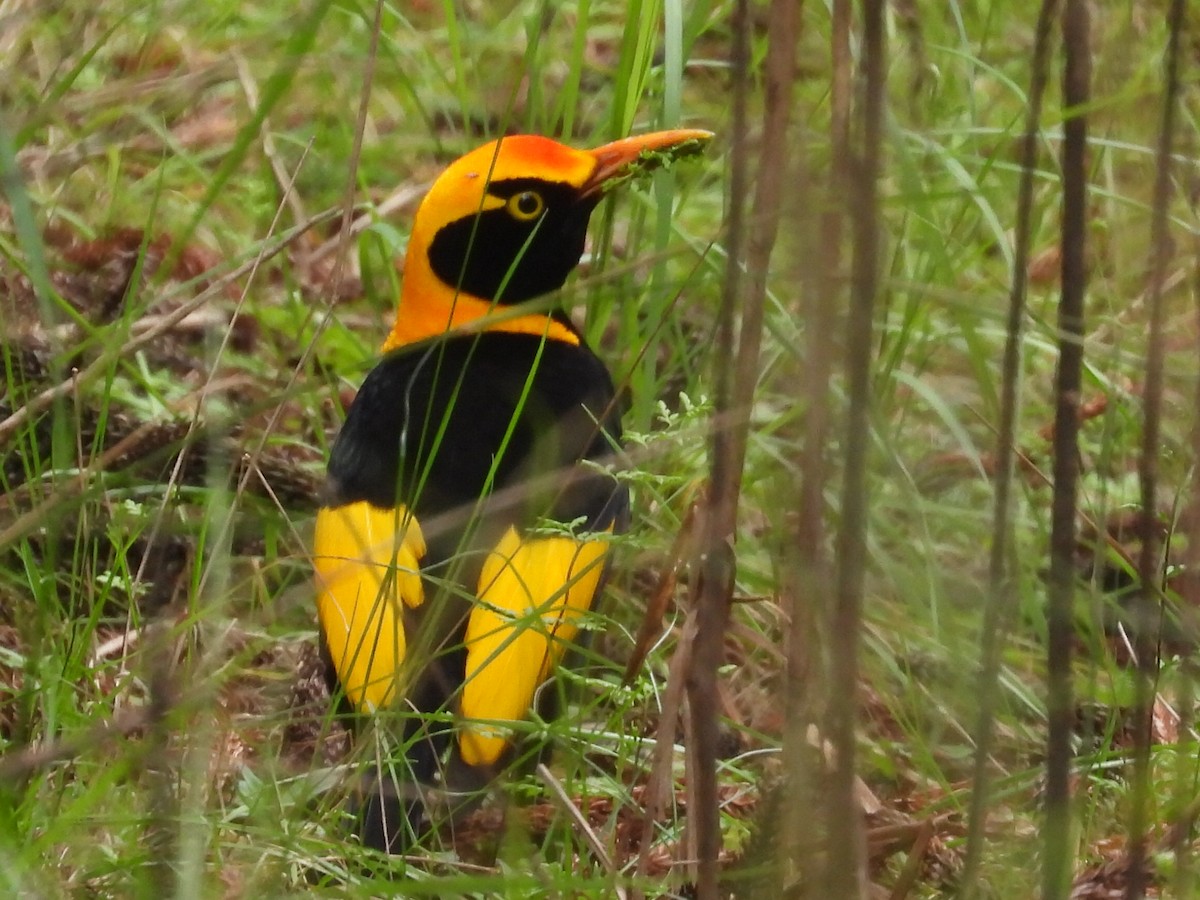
845, 874
282, 179
807, 567
664, 590
347, 215
713, 573
403, 196
162, 325
162, 825
1057, 855
735, 397
563, 801
1150, 562
252, 461
1189, 559
360, 128
916, 858
654, 797
17, 765
1001, 602
101, 364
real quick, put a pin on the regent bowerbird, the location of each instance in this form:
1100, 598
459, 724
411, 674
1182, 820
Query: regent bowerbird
445, 593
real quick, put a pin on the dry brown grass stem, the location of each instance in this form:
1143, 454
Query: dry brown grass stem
1057, 857
1001, 566
845, 874
1150, 561
750, 242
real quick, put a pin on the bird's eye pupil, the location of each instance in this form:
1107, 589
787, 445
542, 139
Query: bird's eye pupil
528, 203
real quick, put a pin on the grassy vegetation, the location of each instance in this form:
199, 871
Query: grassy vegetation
162, 727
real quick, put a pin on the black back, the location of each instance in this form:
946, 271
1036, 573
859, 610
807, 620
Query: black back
426, 424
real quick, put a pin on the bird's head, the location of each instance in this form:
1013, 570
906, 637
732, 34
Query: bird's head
507, 223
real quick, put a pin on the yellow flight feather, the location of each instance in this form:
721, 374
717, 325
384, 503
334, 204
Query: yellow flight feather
368, 568
531, 594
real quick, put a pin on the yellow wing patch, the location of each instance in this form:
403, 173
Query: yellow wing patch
531, 595
367, 561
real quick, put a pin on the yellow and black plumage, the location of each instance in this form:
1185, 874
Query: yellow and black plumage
437, 591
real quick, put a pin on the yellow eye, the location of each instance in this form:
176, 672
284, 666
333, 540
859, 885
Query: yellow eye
526, 206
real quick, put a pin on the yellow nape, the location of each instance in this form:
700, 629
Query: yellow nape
367, 562
531, 594
433, 309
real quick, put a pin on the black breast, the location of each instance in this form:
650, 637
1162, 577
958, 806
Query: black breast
490, 424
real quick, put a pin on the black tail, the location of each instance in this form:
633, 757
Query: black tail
392, 802
414, 787
394, 816
391, 817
